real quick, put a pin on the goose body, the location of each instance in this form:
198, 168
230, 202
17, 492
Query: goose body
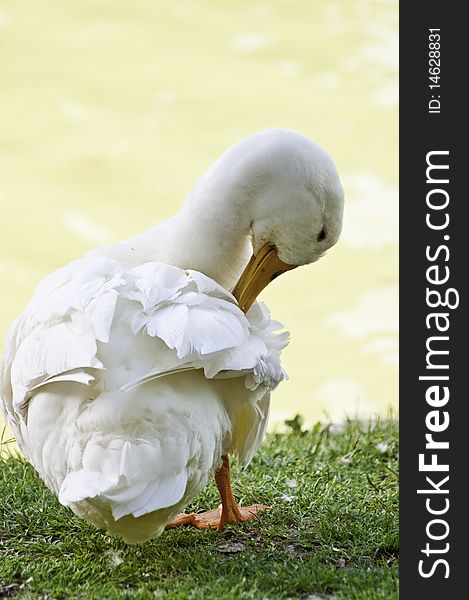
134, 370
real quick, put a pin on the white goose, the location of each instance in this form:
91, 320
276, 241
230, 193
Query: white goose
133, 373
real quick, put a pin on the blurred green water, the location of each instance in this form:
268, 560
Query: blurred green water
111, 110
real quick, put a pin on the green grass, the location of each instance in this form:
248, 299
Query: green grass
332, 531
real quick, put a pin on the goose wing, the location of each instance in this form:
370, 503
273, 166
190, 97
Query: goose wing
106, 327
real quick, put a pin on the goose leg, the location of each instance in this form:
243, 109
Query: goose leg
230, 512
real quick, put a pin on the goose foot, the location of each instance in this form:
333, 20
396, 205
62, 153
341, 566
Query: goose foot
229, 512
216, 519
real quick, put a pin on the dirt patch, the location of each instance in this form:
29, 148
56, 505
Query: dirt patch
9, 590
231, 547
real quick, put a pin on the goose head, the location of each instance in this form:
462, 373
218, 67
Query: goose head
295, 211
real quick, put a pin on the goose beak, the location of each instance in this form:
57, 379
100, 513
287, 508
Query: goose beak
259, 272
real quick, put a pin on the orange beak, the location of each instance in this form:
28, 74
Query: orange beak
259, 272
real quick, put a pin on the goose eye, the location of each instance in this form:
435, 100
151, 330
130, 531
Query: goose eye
322, 235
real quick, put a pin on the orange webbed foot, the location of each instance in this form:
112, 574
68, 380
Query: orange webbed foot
217, 518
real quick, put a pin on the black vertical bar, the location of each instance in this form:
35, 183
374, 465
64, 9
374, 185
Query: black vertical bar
421, 132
